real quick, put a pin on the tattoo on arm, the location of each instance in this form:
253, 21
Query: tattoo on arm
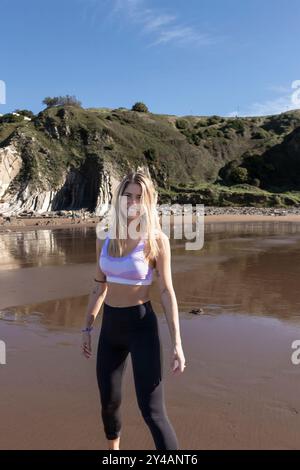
96, 289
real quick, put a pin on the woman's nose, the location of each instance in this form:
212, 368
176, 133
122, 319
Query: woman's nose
134, 201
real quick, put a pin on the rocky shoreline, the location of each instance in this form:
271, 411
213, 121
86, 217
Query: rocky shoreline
71, 218
236, 210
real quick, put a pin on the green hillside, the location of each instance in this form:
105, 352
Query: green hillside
194, 159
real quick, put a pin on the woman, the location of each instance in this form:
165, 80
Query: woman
124, 274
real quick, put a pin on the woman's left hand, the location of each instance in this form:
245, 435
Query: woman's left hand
178, 359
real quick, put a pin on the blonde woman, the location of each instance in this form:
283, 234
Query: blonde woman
124, 274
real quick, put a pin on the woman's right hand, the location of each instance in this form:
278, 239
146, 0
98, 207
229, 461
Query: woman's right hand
86, 344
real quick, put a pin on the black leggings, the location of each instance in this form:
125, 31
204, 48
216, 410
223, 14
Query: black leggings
133, 329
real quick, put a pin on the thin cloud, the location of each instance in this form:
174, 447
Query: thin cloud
283, 103
279, 88
160, 21
166, 28
276, 106
184, 36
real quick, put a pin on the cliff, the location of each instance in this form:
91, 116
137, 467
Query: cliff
70, 158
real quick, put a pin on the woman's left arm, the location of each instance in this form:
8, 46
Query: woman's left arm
168, 301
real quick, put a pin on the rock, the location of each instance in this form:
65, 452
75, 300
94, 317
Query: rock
197, 311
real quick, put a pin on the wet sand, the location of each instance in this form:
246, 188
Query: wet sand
240, 389
233, 394
65, 222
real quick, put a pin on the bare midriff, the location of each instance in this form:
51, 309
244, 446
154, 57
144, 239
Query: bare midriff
125, 295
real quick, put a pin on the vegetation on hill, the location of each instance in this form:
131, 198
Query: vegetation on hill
210, 159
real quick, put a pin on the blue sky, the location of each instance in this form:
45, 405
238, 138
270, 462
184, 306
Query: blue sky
198, 57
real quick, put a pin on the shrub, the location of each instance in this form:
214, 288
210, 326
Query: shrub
211, 132
10, 117
182, 124
259, 134
188, 135
239, 175
151, 154
255, 182
213, 120
236, 124
25, 112
140, 107
61, 101
196, 139
276, 200
201, 123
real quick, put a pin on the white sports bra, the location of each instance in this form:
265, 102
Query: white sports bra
130, 269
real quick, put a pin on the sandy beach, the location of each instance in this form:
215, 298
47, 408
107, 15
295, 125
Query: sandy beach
64, 222
239, 390
119, 120
50, 401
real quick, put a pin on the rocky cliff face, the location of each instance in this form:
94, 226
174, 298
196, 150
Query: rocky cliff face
70, 158
90, 189
10, 165
74, 193
35, 176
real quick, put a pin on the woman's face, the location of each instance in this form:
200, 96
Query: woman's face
132, 201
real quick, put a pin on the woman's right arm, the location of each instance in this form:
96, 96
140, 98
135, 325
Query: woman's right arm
96, 300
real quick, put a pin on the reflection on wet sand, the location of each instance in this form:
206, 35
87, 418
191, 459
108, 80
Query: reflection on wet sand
239, 390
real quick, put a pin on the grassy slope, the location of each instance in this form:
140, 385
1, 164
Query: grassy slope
185, 161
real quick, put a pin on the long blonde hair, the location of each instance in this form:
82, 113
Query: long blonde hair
148, 220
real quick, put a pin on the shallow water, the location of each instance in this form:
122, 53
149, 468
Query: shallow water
250, 268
